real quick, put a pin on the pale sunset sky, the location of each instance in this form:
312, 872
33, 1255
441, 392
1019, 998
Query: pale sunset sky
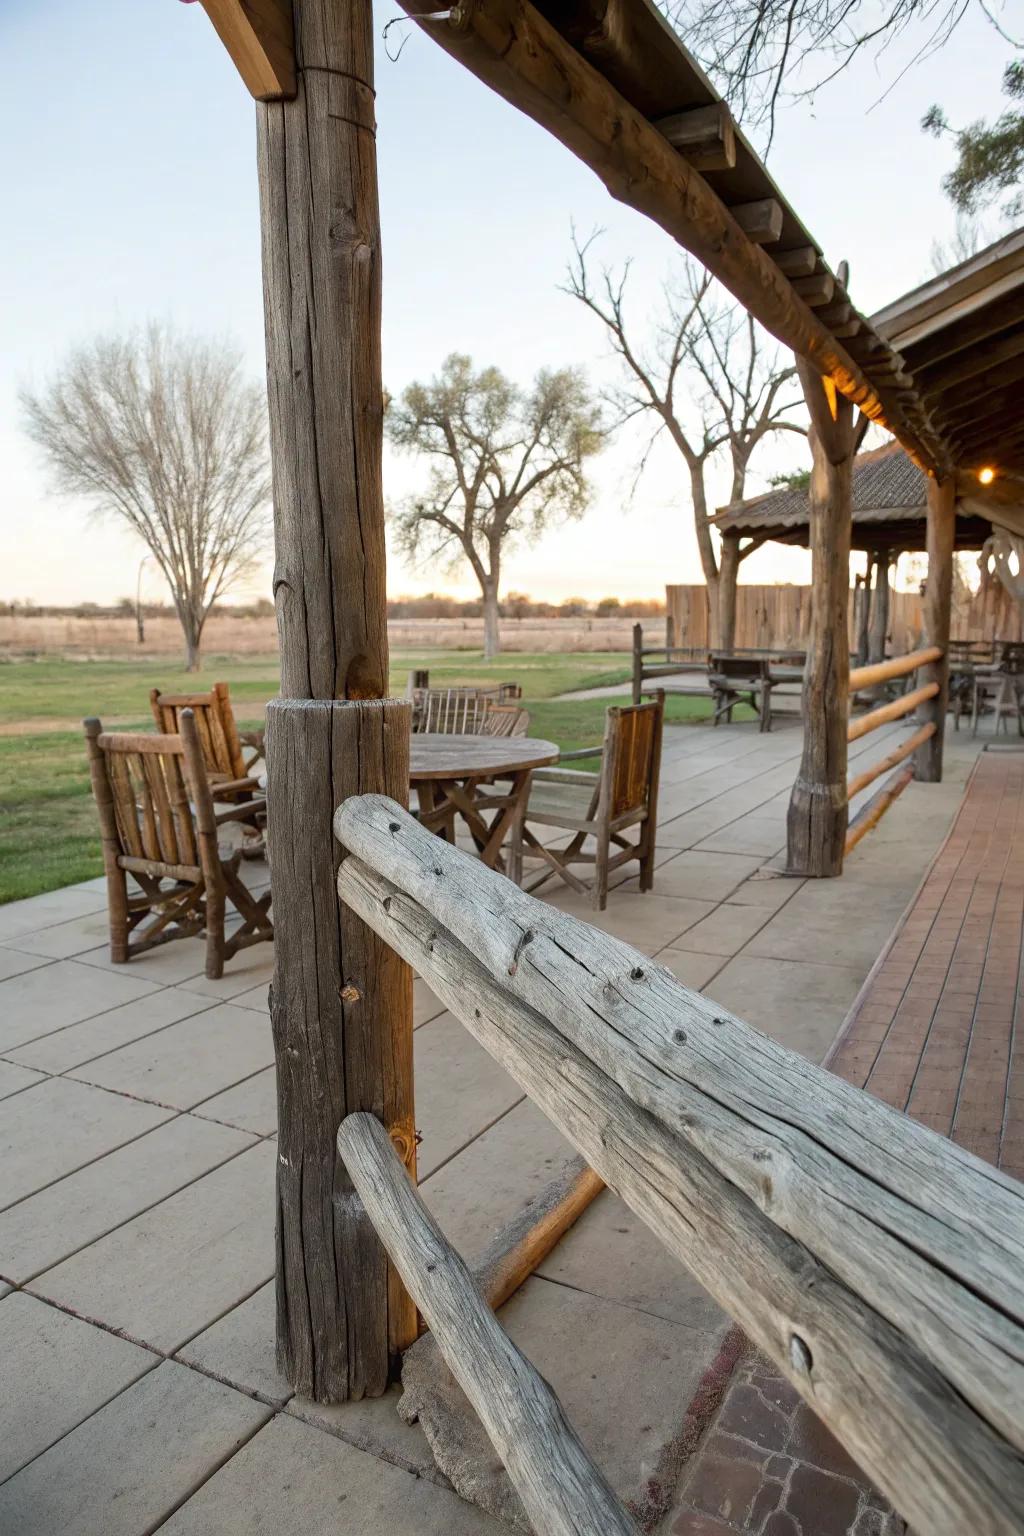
128, 167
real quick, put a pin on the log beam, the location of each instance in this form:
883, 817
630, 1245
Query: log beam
938, 602
259, 36
816, 821
341, 1008
511, 47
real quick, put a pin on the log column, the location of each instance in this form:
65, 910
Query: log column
879, 627
816, 823
341, 1004
938, 602
728, 573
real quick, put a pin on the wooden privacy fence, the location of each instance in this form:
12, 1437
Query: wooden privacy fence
877, 1263
873, 676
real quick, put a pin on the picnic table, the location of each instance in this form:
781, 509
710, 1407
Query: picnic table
456, 776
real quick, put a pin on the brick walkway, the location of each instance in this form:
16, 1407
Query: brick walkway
933, 1031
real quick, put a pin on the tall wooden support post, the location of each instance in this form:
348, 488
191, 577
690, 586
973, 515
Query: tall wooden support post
863, 613
638, 662
341, 1000
816, 823
728, 574
938, 602
879, 627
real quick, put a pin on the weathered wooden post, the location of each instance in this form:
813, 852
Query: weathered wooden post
341, 1003
816, 823
879, 627
862, 587
638, 662
728, 574
938, 602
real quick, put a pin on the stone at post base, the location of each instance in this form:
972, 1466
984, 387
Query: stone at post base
342, 1021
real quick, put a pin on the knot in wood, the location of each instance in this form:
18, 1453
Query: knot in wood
637, 973
800, 1356
679, 1036
404, 1139
350, 994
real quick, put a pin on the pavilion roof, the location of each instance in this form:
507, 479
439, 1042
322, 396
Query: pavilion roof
889, 509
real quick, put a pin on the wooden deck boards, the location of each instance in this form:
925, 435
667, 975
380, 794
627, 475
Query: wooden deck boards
933, 1031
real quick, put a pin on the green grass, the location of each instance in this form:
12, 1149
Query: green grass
48, 833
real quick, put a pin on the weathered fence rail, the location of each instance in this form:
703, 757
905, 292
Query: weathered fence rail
872, 676
877, 1263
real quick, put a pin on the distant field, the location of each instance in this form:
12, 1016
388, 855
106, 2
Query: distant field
48, 834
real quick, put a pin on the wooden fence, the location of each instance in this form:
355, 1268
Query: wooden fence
879, 1264
778, 617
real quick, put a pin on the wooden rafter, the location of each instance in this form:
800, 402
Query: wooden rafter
259, 36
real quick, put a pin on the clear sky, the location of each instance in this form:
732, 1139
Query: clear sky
128, 166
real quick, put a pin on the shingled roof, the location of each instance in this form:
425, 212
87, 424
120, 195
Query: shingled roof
888, 508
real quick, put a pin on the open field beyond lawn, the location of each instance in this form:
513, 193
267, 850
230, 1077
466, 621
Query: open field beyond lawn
48, 830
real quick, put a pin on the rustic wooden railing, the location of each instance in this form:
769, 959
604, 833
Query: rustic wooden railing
679, 660
870, 677
877, 1263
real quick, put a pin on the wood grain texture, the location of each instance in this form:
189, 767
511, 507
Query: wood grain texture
440, 756
938, 602
341, 1011
890, 1252
885, 714
563, 1492
817, 815
896, 666
322, 296
259, 38
900, 753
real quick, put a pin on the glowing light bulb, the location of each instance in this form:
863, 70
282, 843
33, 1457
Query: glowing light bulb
986, 475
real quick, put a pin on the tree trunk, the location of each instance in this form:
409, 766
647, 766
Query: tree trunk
492, 629
938, 601
705, 548
341, 1002
879, 629
817, 819
728, 575
192, 629
864, 614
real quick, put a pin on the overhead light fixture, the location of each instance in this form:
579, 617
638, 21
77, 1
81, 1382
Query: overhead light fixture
986, 475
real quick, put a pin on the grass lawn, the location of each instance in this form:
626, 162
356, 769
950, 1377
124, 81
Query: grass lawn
48, 830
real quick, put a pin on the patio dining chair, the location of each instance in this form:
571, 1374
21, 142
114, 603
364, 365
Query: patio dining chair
232, 777
159, 824
505, 720
600, 808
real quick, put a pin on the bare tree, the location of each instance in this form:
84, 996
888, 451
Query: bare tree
504, 463
708, 381
163, 432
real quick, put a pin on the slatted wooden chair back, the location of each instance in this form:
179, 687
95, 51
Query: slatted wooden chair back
215, 725
159, 824
632, 744
505, 720
451, 711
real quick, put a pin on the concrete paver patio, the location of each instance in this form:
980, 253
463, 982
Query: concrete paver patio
137, 1119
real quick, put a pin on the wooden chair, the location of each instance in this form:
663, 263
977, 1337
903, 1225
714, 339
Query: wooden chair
158, 823
505, 720
231, 776
734, 678
623, 794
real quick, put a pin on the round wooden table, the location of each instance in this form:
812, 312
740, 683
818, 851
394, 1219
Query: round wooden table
453, 776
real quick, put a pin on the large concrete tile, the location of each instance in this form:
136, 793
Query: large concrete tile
258, 998
800, 1003
39, 1001
189, 1061
168, 965
724, 931
79, 1043
251, 1105
769, 893
761, 835
58, 1221
648, 921
169, 1273
488, 1184
294, 1478
845, 918
14, 962
705, 876
21, 917
14, 1079
60, 1125
610, 1253
692, 969
373, 1425
239, 1349
425, 1005
57, 1371
460, 1090
125, 1469
62, 940
251, 968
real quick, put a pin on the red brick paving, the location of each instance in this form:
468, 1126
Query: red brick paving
933, 1033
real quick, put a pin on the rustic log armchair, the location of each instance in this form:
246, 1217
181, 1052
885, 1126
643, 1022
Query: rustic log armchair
232, 777
621, 796
159, 824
